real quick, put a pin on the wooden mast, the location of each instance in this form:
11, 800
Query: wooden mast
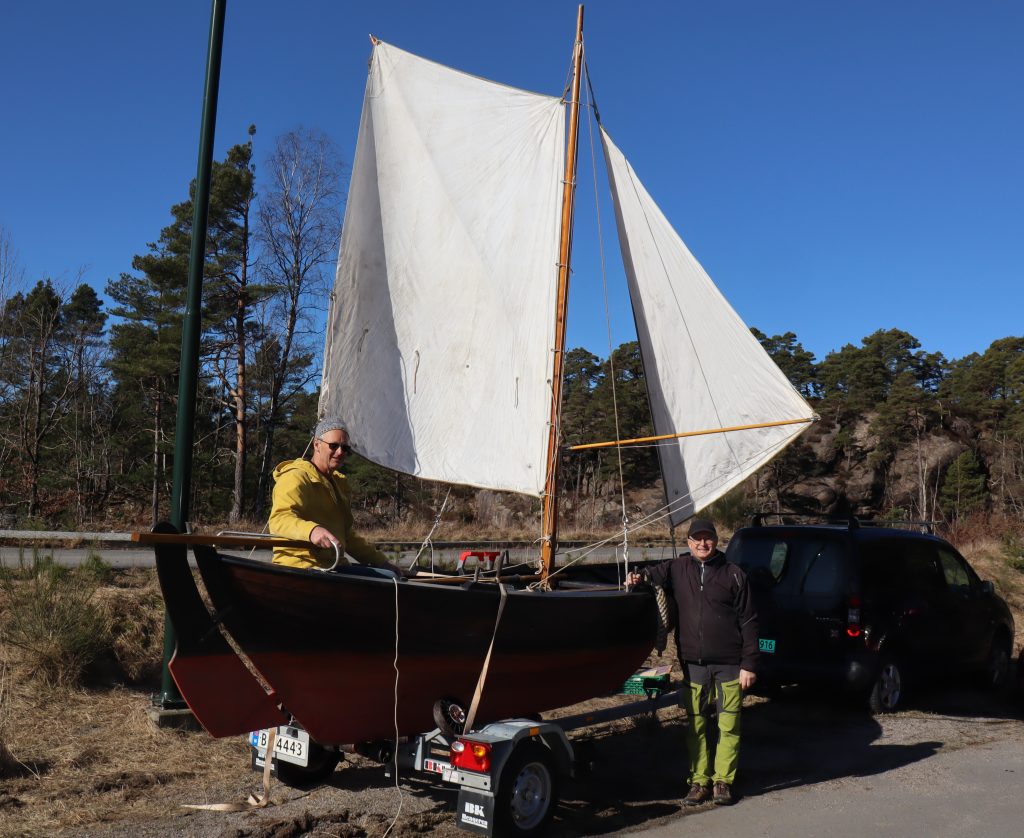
550, 514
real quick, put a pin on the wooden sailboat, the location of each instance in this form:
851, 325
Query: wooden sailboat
444, 357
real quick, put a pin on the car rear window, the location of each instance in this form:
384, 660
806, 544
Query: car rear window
800, 565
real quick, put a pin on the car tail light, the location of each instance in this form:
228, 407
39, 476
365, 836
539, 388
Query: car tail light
853, 626
471, 756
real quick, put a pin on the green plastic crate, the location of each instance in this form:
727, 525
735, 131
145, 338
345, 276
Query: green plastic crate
650, 682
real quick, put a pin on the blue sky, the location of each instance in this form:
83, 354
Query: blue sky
838, 167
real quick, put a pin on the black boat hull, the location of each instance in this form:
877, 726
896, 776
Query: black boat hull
356, 657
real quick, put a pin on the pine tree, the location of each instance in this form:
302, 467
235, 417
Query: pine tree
964, 489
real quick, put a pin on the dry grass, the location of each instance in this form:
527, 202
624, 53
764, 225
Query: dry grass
134, 609
7, 762
86, 758
51, 621
72, 756
994, 560
77, 760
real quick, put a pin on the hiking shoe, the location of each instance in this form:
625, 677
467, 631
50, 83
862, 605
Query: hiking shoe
722, 795
697, 794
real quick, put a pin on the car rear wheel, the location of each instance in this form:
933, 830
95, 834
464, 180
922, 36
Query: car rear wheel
887, 691
997, 669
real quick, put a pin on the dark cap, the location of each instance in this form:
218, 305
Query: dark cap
698, 525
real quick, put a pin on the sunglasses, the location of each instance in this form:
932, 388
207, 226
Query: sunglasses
334, 446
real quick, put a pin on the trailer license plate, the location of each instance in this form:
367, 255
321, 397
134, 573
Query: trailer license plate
290, 745
766, 645
435, 766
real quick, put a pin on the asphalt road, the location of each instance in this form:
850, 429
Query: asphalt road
951, 764
974, 790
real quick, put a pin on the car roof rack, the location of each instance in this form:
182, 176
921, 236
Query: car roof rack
927, 527
851, 522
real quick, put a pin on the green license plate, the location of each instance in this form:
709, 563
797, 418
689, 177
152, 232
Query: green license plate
766, 645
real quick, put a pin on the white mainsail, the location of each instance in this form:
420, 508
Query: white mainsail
703, 367
440, 336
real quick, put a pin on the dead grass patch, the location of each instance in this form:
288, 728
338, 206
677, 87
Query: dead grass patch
992, 556
97, 758
134, 610
52, 621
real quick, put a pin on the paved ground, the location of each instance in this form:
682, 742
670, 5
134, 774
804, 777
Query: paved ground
976, 790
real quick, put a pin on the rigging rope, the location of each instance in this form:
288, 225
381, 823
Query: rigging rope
427, 540
658, 515
591, 113
401, 797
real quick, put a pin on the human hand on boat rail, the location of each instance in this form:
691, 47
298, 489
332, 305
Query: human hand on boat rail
635, 578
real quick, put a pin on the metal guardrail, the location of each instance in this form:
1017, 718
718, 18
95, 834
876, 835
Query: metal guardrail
126, 538
62, 535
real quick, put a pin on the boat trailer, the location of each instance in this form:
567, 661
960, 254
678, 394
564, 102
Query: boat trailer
508, 772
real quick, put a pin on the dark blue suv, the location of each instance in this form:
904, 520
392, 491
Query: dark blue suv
869, 608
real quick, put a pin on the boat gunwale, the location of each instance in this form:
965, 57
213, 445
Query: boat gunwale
488, 586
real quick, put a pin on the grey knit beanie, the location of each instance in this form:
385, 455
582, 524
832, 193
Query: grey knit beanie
327, 424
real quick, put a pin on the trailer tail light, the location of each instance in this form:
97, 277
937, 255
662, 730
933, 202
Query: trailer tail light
853, 626
471, 756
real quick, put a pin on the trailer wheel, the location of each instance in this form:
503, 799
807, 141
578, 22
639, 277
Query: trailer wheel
322, 762
528, 791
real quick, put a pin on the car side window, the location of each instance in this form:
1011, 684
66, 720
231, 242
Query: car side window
777, 563
909, 569
955, 571
765, 561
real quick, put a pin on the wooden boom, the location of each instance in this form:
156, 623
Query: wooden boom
590, 445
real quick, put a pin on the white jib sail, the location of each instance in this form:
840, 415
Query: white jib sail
704, 369
439, 347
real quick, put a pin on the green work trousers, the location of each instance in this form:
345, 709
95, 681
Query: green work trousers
696, 693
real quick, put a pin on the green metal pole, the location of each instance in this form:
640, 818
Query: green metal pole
170, 698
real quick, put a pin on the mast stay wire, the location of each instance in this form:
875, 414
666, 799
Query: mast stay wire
428, 540
591, 116
659, 514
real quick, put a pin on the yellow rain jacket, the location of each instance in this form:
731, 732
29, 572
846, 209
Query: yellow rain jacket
305, 499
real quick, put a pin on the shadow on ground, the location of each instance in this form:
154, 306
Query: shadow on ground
637, 768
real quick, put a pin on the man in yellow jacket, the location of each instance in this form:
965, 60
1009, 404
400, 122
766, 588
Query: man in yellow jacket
312, 502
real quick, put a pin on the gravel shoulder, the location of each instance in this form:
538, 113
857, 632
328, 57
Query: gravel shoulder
118, 776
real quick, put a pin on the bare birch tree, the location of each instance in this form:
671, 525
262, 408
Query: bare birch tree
298, 228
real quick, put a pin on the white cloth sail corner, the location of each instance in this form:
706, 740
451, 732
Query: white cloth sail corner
439, 350
440, 336
704, 369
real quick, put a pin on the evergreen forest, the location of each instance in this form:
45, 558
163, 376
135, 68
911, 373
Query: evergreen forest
89, 388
